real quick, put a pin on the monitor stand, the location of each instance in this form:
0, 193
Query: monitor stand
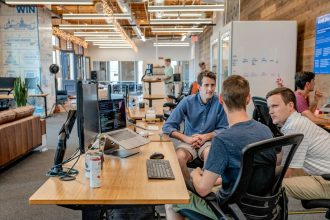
123, 153
111, 148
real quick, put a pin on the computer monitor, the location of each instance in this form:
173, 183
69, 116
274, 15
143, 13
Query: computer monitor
7, 82
87, 113
112, 114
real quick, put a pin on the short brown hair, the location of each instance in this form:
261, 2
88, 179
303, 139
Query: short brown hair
201, 64
286, 94
168, 60
206, 73
235, 90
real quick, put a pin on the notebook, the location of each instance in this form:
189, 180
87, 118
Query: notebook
113, 124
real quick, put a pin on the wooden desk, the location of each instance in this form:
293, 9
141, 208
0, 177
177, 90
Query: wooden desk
157, 135
152, 97
124, 182
44, 96
326, 116
5, 96
137, 113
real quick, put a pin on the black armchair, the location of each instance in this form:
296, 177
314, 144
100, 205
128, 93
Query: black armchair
318, 203
261, 114
240, 204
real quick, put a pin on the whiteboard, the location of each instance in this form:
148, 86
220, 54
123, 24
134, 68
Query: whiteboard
263, 51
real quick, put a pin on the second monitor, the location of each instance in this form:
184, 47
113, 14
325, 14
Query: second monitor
112, 114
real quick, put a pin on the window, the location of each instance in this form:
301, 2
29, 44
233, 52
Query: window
69, 45
114, 71
55, 41
127, 71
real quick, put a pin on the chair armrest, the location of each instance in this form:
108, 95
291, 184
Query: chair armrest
326, 176
209, 197
236, 211
171, 97
211, 201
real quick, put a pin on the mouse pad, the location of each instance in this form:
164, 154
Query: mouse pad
124, 153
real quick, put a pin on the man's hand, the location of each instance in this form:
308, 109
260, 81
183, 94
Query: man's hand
318, 95
202, 137
195, 142
279, 82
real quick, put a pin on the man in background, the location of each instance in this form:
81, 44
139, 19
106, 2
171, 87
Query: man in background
305, 83
312, 158
202, 66
168, 80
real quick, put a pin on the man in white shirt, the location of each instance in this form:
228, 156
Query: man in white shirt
312, 157
168, 80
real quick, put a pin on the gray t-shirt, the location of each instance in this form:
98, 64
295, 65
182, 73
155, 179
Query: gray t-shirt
224, 158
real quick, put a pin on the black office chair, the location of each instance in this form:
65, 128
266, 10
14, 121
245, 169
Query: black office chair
261, 114
318, 203
240, 204
176, 100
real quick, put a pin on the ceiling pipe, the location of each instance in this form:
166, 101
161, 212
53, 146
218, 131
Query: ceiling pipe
126, 9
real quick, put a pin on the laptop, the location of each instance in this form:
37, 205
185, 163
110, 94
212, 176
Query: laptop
112, 115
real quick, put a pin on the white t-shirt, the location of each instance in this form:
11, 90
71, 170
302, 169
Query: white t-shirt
313, 154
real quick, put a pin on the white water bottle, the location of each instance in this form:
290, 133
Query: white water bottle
95, 171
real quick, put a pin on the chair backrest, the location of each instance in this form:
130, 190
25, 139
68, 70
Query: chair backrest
193, 88
261, 114
239, 193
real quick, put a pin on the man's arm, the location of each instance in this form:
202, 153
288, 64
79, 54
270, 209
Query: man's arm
176, 117
317, 96
291, 172
203, 181
315, 119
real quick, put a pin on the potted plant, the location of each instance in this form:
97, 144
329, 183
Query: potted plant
20, 92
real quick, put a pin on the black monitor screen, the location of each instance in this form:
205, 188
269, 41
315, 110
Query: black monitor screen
87, 110
112, 114
7, 82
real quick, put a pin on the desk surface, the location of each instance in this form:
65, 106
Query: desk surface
137, 113
155, 136
38, 95
146, 96
124, 181
152, 80
326, 116
5, 96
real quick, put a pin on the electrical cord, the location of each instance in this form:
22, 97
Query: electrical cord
72, 157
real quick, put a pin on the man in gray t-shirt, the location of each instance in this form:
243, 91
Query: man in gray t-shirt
225, 154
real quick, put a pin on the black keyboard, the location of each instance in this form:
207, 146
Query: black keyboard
159, 169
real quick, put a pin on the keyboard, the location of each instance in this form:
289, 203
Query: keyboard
159, 169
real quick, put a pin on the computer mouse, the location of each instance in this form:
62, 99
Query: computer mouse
157, 155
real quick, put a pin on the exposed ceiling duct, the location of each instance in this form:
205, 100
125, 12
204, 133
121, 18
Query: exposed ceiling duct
126, 9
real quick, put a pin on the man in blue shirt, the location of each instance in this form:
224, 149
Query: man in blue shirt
224, 158
203, 118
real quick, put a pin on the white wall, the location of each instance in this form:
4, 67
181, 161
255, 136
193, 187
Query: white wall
146, 52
